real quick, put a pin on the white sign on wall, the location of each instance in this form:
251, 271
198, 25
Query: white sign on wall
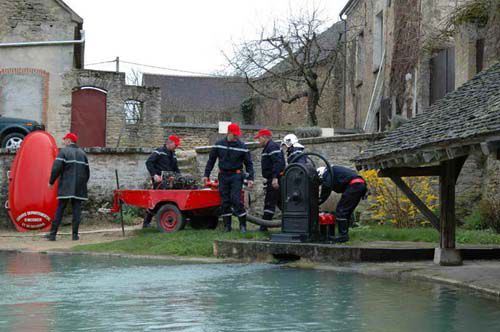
223, 126
327, 132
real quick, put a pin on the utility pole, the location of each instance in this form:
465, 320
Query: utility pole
117, 64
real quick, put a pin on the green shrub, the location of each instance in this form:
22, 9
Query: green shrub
489, 209
475, 220
132, 215
308, 132
248, 110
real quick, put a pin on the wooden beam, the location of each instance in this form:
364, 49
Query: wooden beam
416, 200
447, 181
410, 171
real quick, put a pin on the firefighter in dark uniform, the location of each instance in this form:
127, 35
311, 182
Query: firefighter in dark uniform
352, 187
273, 165
293, 148
72, 168
232, 155
161, 160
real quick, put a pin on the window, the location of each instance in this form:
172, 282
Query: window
479, 55
378, 40
133, 111
442, 70
360, 59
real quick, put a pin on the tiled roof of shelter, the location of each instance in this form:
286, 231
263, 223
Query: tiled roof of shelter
460, 120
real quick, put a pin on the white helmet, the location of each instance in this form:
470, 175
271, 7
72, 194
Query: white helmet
290, 139
321, 171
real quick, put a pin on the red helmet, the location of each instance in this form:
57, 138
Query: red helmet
234, 129
71, 136
175, 139
263, 132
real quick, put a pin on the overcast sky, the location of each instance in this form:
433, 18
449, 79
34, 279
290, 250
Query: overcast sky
180, 34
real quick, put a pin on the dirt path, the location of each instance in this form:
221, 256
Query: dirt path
34, 241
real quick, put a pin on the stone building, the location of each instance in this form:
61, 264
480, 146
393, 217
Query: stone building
198, 100
42, 78
403, 56
273, 112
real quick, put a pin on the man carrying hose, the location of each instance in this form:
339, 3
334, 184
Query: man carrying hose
232, 155
161, 160
273, 165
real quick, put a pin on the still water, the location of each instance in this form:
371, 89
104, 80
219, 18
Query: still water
80, 293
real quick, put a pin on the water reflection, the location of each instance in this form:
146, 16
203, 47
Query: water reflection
31, 314
76, 293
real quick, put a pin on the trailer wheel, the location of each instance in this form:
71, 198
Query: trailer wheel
169, 219
206, 222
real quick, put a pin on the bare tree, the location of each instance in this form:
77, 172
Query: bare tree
283, 63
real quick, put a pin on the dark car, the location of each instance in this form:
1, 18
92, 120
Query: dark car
13, 131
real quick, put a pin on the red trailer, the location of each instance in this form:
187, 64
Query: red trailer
175, 207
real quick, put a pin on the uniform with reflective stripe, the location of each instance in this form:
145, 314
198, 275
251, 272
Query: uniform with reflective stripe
72, 168
162, 159
232, 155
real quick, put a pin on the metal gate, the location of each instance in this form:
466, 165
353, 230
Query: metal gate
88, 117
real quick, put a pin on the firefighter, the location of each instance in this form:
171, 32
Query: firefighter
273, 165
293, 148
72, 168
161, 160
352, 187
232, 155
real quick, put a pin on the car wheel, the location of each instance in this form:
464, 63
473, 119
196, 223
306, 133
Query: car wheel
12, 141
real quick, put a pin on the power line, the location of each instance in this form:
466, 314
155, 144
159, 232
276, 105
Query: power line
99, 63
171, 69
152, 66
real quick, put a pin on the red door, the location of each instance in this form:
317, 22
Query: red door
88, 117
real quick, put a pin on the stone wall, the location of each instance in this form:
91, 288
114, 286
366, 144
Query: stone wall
492, 177
37, 20
194, 135
469, 187
28, 20
339, 150
129, 162
410, 30
146, 133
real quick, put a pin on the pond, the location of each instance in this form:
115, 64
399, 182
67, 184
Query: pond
85, 293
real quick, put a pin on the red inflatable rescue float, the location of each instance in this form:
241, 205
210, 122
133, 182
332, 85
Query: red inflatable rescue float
32, 205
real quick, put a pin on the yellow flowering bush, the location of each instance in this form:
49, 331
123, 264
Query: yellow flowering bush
389, 204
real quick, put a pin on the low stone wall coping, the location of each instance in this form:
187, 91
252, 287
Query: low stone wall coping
215, 126
313, 140
98, 151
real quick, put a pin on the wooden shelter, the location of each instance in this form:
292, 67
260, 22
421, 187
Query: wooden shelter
436, 143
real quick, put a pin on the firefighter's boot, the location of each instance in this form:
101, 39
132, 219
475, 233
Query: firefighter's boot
227, 223
243, 224
343, 236
266, 216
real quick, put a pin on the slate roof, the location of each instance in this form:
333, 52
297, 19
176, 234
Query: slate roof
467, 115
199, 94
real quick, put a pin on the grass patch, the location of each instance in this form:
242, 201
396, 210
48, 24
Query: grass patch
196, 243
199, 243
419, 234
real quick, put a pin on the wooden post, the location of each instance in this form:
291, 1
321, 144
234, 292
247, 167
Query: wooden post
446, 254
120, 202
447, 199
